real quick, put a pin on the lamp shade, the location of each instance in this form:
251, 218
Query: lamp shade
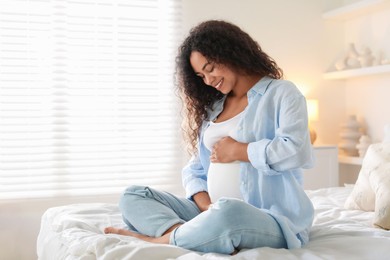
312, 109
312, 113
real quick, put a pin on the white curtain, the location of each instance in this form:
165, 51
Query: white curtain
87, 102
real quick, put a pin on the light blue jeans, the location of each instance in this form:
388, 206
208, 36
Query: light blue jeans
228, 225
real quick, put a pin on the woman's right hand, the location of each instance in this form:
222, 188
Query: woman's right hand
202, 200
228, 150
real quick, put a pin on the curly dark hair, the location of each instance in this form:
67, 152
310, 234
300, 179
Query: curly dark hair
222, 43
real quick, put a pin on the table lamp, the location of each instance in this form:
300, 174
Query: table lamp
312, 111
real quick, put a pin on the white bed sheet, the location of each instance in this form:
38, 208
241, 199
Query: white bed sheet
76, 232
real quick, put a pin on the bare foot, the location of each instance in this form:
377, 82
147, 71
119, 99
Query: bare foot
119, 231
160, 240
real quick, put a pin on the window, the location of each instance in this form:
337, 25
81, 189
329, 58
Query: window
87, 103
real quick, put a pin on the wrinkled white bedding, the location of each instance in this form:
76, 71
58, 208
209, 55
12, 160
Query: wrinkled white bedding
76, 232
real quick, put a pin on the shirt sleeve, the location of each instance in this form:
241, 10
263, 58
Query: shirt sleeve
194, 177
290, 148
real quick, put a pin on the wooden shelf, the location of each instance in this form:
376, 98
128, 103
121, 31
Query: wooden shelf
366, 71
356, 9
324, 146
354, 160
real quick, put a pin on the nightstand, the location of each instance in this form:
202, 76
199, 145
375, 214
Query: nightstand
349, 168
325, 172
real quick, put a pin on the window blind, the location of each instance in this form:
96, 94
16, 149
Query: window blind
87, 104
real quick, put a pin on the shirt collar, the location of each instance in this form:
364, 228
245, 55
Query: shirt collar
260, 87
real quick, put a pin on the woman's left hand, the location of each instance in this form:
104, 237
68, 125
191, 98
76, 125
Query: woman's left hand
227, 150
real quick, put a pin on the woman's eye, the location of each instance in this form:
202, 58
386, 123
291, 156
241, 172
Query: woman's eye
210, 68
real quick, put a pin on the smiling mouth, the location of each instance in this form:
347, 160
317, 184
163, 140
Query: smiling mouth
218, 86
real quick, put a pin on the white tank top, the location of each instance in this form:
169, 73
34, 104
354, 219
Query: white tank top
223, 179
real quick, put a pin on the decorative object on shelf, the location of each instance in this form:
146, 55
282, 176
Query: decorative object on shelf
353, 59
350, 135
350, 60
366, 59
312, 111
362, 146
382, 59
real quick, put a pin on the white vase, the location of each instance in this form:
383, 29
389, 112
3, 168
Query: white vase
366, 58
350, 135
352, 57
362, 146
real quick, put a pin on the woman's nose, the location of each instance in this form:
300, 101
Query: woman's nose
208, 80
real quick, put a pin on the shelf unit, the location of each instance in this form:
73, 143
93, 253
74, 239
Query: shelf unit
351, 11
355, 9
350, 166
352, 160
351, 73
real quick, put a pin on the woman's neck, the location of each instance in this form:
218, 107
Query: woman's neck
245, 84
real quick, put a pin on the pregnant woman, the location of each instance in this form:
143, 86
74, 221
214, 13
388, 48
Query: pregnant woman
223, 179
247, 131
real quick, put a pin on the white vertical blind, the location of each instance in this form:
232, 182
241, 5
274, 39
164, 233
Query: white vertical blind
86, 96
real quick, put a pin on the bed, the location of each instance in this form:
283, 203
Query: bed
351, 222
76, 232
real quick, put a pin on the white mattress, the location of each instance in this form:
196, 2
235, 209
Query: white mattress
76, 232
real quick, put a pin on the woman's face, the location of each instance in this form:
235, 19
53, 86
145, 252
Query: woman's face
215, 75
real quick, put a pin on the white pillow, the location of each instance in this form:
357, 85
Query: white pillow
372, 188
380, 183
362, 196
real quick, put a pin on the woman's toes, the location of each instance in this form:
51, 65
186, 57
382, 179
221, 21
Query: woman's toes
110, 230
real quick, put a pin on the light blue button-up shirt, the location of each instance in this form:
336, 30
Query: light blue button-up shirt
274, 124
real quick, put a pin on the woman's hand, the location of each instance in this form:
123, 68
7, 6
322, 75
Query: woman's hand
202, 200
228, 150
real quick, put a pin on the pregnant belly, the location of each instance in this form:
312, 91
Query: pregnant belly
223, 180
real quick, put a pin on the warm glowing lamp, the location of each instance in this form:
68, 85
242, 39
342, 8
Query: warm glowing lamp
312, 111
